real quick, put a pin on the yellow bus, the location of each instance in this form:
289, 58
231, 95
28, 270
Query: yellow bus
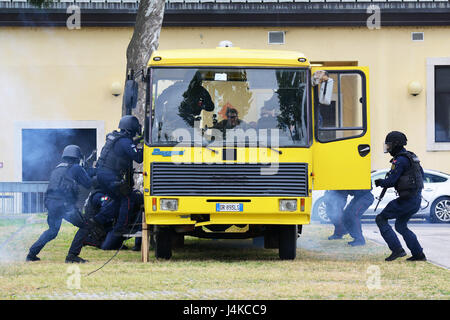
236, 140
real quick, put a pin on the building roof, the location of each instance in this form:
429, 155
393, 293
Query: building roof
233, 12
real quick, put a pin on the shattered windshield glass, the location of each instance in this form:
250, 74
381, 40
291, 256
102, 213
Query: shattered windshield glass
222, 106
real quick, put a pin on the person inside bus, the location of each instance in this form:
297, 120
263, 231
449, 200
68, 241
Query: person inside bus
325, 92
231, 121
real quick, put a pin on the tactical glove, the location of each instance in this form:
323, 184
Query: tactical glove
378, 182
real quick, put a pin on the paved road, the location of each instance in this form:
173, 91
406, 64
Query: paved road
434, 239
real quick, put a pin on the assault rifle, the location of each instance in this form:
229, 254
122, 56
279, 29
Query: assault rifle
89, 161
383, 192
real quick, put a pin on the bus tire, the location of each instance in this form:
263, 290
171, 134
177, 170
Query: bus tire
163, 243
287, 242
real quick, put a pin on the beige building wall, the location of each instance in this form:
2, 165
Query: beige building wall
56, 74
56, 78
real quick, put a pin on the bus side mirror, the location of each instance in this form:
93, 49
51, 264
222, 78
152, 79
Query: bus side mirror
131, 94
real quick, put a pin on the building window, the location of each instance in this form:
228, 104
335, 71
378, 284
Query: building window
438, 104
39, 144
276, 37
417, 36
42, 149
442, 104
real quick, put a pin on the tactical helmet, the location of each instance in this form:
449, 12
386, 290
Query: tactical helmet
394, 140
72, 151
130, 124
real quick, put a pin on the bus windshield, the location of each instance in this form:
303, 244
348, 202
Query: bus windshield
215, 106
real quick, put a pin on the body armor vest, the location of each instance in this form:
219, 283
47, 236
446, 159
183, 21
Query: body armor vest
411, 181
61, 186
108, 159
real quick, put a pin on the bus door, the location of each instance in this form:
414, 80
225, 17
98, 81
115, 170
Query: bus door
341, 148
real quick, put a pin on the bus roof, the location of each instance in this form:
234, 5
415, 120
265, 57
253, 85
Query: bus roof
228, 56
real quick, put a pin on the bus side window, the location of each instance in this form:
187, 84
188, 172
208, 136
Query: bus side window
345, 116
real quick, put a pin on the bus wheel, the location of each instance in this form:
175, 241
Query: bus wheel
288, 242
163, 243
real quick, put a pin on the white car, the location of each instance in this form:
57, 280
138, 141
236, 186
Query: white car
435, 205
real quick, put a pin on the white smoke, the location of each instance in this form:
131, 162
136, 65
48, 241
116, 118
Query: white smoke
16, 238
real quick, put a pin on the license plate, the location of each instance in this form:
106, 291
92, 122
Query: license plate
229, 207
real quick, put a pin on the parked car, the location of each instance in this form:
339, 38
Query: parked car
435, 206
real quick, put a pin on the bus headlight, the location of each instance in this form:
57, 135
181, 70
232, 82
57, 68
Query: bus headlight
288, 205
168, 204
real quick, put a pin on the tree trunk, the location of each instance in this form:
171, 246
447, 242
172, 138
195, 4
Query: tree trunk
144, 41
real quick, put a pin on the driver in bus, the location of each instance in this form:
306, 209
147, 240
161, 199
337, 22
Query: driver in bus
232, 120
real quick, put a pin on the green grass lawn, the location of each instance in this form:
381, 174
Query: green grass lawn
208, 269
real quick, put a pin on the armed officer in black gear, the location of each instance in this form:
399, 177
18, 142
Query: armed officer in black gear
116, 158
61, 197
99, 202
406, 176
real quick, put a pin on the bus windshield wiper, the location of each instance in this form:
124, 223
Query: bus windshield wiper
212, 150
206, 147
273, 149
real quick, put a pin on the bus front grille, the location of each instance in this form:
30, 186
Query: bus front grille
280, 179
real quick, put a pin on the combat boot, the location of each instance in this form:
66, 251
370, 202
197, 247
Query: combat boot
396, 254
31, 257
419, 257
71, 258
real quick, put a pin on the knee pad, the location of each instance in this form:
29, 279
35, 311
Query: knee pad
380, 220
